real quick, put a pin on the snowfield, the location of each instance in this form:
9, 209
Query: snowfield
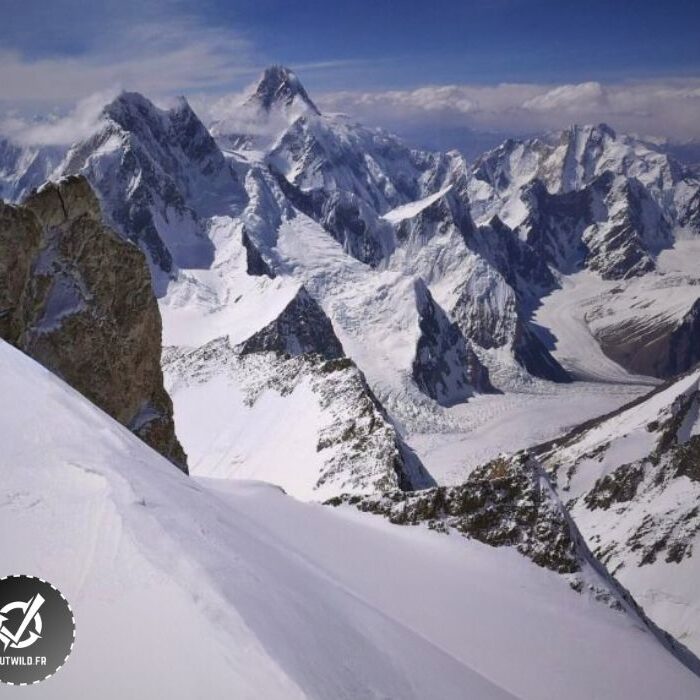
185, 588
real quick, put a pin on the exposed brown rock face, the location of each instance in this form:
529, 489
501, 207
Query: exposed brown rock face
78, 299
661, 349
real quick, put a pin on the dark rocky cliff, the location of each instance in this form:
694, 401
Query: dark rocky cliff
78, 299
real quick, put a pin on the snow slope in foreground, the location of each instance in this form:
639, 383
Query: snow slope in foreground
183, 590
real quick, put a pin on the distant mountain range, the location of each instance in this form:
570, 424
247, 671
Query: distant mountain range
328, 292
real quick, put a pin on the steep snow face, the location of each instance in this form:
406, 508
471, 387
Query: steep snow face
408, 211
24, 168
285, 600
307, 424
330, 153
161, 179
631, 482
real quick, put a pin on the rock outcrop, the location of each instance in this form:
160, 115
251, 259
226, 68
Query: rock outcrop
78, 299
445, 366
301, 328
503, 503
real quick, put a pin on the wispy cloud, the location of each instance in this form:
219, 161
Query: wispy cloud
175, 54
58, 130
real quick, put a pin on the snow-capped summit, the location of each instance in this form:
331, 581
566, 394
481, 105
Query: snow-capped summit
279, 86
161, 177
252, 122
567, 161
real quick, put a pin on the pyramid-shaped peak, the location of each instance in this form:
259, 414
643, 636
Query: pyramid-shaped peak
301, 328
279, 85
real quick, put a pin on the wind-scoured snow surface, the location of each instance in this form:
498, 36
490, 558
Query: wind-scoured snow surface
185, 588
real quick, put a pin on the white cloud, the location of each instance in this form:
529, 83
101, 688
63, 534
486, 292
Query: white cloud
55, 130
570, 98
667, 108
162, 52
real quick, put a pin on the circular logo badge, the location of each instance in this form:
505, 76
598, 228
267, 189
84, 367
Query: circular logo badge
37, 630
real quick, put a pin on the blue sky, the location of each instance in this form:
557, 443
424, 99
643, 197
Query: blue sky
406, 42
64, 50
448, 41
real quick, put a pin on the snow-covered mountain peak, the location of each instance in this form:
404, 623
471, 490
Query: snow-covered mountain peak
279, 86
588, 132
160, 177
254, 121
571, 159
129, 102
135, 115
